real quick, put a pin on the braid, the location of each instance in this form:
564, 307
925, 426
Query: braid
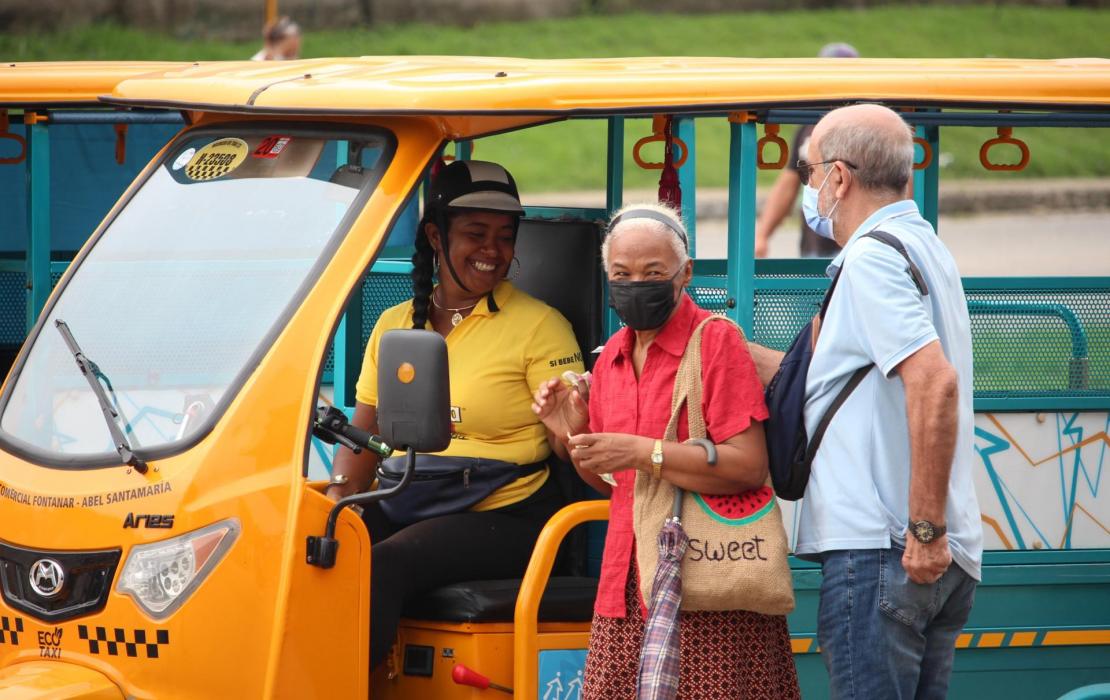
422, 270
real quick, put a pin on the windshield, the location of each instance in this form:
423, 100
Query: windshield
186, 286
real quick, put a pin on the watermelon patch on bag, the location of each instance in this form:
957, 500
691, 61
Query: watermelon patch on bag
738, 509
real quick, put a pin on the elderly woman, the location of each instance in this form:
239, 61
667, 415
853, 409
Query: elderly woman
488, 495
734, 654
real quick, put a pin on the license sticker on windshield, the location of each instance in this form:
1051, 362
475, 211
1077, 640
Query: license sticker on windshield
217, 159
271, 146
184, 158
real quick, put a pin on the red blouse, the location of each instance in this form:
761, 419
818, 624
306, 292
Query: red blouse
620, 403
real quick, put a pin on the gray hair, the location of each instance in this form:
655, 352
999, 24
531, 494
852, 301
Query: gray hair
883, 157
624, 225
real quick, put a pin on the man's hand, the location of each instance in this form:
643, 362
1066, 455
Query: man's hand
605, 453
563, 411
926, 563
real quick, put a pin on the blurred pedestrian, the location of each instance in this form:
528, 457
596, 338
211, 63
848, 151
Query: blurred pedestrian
784, 193
281, 41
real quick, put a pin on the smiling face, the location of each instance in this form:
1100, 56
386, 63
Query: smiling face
481, 250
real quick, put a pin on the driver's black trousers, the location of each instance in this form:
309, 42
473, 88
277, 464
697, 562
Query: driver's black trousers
409, 561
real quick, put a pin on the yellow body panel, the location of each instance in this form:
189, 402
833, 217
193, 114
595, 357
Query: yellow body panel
42, 679
254, 625
474, 85
70, 82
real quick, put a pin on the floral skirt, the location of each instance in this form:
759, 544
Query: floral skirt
729, 655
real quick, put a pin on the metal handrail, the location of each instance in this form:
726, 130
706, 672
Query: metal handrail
526, 617
1078, 367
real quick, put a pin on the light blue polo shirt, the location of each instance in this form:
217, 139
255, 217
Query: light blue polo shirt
858, 491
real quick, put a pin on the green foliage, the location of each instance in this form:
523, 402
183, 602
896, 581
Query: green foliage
578, 147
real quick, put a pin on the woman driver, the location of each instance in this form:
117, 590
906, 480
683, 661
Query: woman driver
464, 519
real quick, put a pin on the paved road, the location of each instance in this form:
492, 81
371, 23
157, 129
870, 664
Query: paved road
1035, 244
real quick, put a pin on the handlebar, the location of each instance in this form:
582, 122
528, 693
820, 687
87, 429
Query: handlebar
332, 427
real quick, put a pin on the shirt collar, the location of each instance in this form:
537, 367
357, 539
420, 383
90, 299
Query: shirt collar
899, 208
674, 335
501, 294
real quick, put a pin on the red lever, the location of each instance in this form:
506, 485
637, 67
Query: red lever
465, 676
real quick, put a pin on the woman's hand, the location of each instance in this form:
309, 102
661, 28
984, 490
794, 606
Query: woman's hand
605, 453
563, 411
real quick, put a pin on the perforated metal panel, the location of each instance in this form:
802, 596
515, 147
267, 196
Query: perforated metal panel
380, 291
1040, 341
780, 314
1027, 342
13, 301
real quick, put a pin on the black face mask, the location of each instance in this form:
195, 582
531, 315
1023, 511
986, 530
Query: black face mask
643, 305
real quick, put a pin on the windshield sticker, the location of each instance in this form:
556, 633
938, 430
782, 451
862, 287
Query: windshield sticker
184, 158
92, 501
271, 146
217, 159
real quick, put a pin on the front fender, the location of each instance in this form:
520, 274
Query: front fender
56, 680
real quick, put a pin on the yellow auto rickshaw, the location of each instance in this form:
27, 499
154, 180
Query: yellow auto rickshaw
165, 427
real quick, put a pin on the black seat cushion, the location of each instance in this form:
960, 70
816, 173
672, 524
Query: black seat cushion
567, 599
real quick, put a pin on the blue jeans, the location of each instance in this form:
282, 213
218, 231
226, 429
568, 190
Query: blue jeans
884, 637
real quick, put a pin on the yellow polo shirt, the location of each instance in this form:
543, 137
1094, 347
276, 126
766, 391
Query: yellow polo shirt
496, 360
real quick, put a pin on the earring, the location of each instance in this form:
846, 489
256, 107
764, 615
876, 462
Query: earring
512, 273
435, 262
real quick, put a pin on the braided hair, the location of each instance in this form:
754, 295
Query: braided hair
423, 273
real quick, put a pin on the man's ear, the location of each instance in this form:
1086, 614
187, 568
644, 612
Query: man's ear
846, 182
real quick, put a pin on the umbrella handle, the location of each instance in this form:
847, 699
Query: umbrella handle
709, 447
676, 512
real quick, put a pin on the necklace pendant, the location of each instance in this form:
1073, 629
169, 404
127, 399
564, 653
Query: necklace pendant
456, 319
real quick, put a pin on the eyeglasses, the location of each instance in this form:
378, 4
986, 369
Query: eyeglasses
805, 169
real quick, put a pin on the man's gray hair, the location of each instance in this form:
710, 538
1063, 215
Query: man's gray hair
883, 159
627, 224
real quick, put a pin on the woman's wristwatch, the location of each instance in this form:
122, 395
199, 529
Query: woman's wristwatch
657, 459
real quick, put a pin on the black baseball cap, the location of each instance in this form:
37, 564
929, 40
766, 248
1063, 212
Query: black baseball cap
475, 184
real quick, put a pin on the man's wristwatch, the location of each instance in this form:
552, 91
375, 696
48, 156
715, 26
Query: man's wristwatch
925, 532
657, 459
337, 480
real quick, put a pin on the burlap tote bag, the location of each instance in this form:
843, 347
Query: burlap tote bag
736, 559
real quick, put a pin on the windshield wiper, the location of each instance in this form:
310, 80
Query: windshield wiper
111, 413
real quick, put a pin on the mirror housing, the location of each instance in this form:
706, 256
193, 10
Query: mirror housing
414, 390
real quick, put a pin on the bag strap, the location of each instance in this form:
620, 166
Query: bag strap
859, 374
688, 384
893, 242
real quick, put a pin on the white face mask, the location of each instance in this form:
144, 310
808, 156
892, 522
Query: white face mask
821, 225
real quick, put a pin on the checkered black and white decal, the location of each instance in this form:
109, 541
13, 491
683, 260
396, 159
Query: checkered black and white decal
10, 629
117, 641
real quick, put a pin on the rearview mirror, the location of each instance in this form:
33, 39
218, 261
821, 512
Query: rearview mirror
414, 390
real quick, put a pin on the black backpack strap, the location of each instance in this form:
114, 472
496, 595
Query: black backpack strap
819, 433
859, 374
893, 242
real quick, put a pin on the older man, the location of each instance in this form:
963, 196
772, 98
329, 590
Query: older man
890, 509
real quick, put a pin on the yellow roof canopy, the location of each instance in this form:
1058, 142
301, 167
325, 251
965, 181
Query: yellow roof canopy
70, 83
561, 88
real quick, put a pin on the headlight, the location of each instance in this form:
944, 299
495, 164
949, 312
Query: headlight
161, 576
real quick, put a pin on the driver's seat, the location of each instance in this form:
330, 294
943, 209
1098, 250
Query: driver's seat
560, 264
